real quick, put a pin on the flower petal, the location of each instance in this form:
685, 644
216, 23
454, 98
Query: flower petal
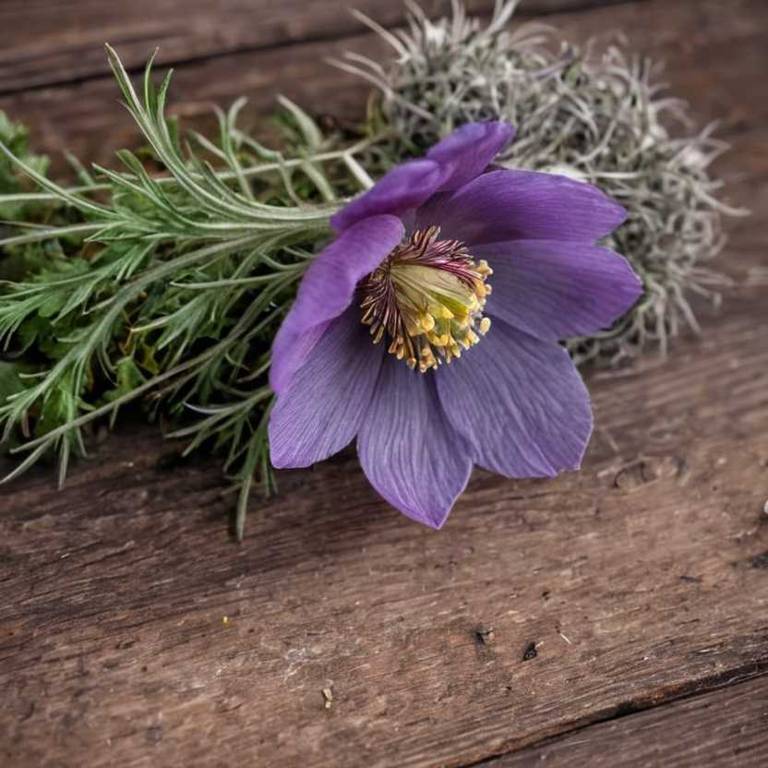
321, 410
469, 150
400, 190
523, 205
520, 402
408, 450
555, 290
327, 289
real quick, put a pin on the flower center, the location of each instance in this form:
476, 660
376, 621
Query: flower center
427, 297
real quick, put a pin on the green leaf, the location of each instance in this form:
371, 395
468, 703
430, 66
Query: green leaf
10, 381
161, 283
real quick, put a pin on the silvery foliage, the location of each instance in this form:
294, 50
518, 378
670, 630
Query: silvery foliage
595, 113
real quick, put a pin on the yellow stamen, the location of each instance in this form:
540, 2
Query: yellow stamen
428, 297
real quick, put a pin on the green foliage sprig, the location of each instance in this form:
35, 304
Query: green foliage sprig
163, 283
165, 287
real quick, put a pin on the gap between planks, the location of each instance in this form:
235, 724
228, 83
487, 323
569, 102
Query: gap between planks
348, 29
754, 676
73, 118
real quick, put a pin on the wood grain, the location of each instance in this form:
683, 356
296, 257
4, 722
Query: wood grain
639, 580
723, 729
86, 118
547, 620
59, 41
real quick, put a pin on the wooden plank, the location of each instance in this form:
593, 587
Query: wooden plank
727, 728
86, 118
61, 41
639, 580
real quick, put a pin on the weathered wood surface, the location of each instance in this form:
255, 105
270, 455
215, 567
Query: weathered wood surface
61, 41
642, 581
690, 35
725, 728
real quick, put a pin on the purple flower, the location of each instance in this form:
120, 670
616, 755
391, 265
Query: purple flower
405, 289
